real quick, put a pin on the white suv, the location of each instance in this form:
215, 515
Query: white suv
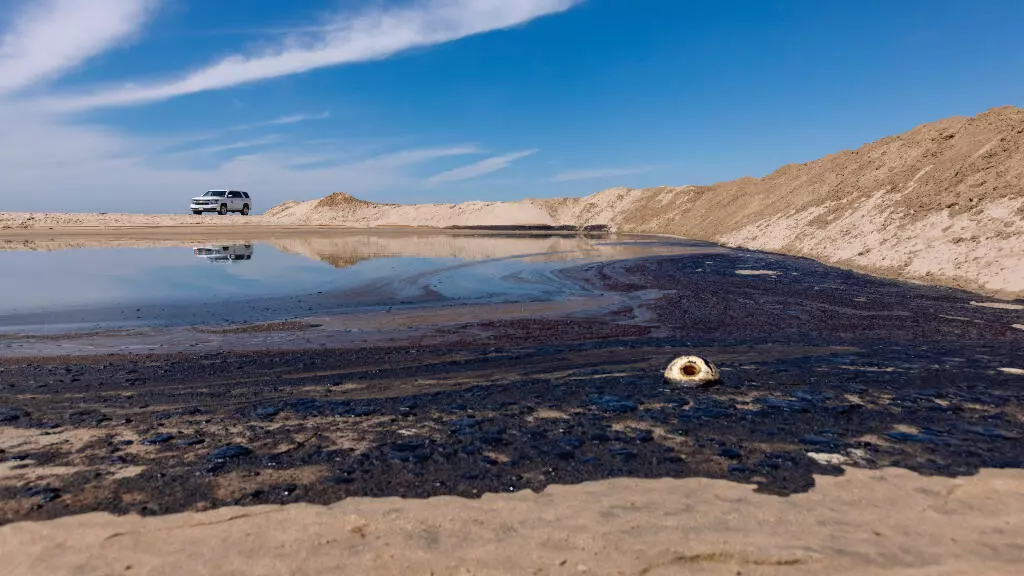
222, 202
230, 253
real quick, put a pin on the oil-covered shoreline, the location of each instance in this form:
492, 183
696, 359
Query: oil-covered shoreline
822, 369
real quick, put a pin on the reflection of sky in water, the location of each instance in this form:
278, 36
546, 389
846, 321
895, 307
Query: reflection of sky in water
60, 285
63, 287
36, 281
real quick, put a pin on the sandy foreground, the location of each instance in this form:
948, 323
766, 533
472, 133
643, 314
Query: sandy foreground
865, 522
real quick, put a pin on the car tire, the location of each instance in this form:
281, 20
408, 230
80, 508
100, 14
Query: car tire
223, 209
197, 212
245, 209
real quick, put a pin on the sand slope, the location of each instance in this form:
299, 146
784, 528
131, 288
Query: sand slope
866, 522
943, 203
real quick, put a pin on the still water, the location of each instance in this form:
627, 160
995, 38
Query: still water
62, 285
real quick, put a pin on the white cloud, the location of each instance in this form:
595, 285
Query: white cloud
50, 161
51, 37
272, 139
390, 160
291, 119
50, 164
597, 173
417, 156
368, 36
480, 168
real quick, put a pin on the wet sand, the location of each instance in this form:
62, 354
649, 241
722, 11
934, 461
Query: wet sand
823, 371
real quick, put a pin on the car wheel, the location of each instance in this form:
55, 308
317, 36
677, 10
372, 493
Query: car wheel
223, 209
245, 209
197, 212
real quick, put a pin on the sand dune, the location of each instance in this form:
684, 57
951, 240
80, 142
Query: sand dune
942, 204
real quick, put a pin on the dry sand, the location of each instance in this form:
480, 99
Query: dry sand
866, 522
941, 204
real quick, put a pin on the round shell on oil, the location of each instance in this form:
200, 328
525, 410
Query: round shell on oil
692, 372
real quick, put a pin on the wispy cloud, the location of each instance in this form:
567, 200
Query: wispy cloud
183, 140
272, 139
352, 38
480, 168
97, 164
388, 161
51, 37
597, 173
71, 167
420, 155
291, 119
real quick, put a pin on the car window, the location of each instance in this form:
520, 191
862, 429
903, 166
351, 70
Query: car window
246, 194
234, 194
216, 193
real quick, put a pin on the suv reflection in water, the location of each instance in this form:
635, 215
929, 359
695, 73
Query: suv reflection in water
229, 253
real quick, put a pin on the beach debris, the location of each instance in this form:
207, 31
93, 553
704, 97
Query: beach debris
999, 305
849, 457
692, 372
757, 273
829, 459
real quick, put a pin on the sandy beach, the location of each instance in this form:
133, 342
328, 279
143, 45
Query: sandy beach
511, 287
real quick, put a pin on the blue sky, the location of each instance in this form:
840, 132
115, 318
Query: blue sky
136, 105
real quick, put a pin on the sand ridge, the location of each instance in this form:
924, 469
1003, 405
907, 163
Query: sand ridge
941, 203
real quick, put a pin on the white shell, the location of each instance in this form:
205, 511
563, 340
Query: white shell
691, 371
